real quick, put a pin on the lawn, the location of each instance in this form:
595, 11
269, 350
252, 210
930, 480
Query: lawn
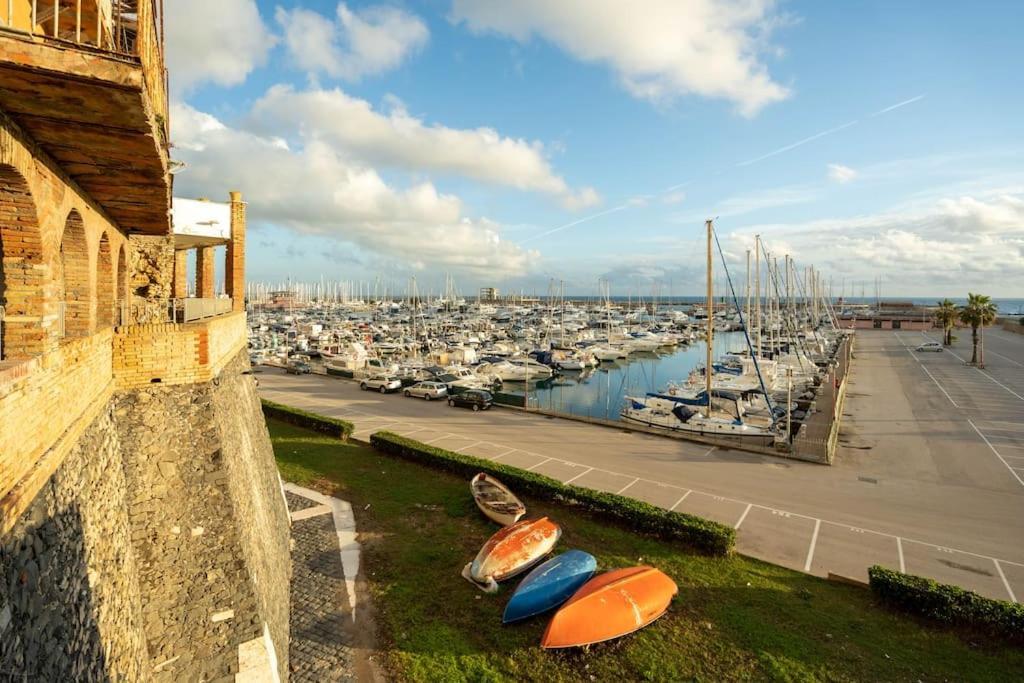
734, 618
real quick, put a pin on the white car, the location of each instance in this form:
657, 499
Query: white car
930, 346
427, 390
382, 383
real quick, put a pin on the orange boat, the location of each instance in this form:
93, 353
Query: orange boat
512, 550
611, 605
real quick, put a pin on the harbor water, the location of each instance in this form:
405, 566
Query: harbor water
599, 392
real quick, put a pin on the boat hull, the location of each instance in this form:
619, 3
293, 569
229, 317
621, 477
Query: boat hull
550, 584
496, 501
610, 606
514, 549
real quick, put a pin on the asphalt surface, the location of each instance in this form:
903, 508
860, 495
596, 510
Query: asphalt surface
929, 477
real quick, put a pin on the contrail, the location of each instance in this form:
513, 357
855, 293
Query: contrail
591, 217
796, 144
899, 104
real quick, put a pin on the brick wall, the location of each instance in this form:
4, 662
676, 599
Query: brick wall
37, 201
171, 353
45, 403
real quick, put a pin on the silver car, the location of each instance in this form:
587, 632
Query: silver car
427, 390
382, 383
930, 346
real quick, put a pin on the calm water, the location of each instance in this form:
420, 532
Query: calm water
599, 392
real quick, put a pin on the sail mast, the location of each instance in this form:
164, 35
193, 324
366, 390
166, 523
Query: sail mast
711, 322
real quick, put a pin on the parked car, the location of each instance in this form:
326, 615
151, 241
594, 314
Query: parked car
298, 368
930, 346
474, 398
427, 390
385, 384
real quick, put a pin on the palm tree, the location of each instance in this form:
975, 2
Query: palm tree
946, 315
978, 312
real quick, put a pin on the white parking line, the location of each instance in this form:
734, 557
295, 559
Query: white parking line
585, 472
676, 504
990, 351
1006, 583
986, 374
542, 462
998, 454
743, 516
439, 438
941, 388
475, 443
814, 542
899, 547
623, 489
502, 455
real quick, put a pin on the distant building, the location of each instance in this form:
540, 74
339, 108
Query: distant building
488, 294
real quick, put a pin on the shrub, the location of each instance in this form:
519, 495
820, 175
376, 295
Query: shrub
331, 426
704, 535
947, 604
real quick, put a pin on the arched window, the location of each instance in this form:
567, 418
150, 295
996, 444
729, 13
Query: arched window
121, 283
104, 285
22, 334
75, 292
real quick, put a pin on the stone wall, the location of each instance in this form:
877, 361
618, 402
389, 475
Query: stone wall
70, 606
209, 523
151, 285
159, 548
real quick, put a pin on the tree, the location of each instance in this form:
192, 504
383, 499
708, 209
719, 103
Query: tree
946, 315
978, 312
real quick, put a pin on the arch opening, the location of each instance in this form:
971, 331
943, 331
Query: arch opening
22, 270
75, 291
121, 295
104, 285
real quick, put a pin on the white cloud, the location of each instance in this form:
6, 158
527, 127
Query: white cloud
841, 174
314, 190
674, 197
975, 241
352, 44
218, 42
659, 49
398, 139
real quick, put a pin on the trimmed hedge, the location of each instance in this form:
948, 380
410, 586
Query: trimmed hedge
704, 535
947, 604
331, 426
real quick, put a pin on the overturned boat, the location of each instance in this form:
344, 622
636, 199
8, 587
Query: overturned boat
511, 551
550, 584
609, 606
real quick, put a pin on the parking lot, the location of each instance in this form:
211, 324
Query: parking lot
925, 480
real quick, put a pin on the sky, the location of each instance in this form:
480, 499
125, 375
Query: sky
513, 144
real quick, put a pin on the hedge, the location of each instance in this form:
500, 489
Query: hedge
947, 604
704, 535
331, 426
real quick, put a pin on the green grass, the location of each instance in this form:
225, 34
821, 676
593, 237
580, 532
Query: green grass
734, 618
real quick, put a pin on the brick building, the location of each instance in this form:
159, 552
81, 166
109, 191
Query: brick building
143, 531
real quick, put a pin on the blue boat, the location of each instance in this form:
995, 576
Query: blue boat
550, 584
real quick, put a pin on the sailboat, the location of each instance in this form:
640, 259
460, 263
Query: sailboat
702, 419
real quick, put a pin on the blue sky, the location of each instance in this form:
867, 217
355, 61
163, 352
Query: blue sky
512, 143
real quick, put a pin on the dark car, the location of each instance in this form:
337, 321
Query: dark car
298, 368
474, 398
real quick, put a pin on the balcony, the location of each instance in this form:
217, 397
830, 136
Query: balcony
86, 80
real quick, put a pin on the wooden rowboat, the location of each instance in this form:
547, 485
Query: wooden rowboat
512, 550
495, 500
611, 605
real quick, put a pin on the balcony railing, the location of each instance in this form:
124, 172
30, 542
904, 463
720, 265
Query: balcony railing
126, 28
192, 309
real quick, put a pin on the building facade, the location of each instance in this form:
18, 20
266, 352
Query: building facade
143, 531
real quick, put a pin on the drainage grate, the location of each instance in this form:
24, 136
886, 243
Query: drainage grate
869, 480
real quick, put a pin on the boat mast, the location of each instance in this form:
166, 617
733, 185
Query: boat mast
757, 289
711, 323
